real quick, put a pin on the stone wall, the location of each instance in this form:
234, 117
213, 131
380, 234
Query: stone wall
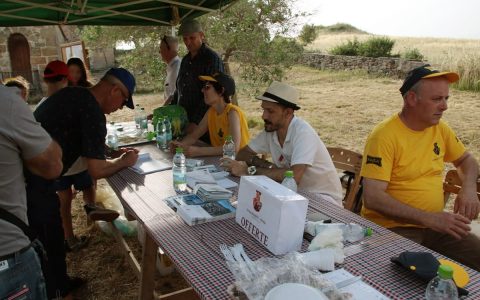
394, 67
43, 41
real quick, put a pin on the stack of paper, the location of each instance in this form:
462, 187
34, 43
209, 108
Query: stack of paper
198, 177
207, 212
193, 210
146, 164
212, 192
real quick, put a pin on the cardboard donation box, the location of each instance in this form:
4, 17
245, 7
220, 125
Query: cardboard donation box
273, 214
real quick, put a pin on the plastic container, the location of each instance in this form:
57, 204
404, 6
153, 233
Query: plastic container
229, 147
442, 287
179, 171
161, 135
112, 137
289, 181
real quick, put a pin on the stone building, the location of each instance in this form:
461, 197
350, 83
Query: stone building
26, 51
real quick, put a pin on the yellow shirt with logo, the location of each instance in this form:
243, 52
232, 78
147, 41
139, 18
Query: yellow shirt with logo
412, 162
218, 125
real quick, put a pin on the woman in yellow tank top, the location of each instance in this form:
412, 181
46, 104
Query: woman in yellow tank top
221, 119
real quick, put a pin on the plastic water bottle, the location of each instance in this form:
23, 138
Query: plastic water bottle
161, 135
442, 287
168, 128
289, 181
229, 147
179, 171
137, 117
353, 232
143, 121
112, 137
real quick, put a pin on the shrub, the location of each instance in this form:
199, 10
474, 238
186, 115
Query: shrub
343, 27
413, 54
376, 47
308, 34
351, 48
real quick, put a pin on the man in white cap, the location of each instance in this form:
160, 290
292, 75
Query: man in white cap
169, 53
293, 144
403, 166
200, 60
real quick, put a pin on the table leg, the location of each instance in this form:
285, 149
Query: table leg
147, 282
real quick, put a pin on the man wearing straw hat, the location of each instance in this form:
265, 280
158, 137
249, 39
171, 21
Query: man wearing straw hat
293, 144
403, 166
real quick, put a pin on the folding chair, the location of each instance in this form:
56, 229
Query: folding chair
453, 184
351, 163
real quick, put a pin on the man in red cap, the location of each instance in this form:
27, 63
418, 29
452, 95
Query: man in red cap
55, 77
403, 166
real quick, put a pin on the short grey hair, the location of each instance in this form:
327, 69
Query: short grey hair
172, 41
415, 88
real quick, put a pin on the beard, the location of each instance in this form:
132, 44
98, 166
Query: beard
269, 127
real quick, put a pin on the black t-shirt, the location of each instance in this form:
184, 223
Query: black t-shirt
74, 119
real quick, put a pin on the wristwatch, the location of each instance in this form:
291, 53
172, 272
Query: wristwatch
251, 170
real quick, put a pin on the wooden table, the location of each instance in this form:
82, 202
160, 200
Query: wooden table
195, 249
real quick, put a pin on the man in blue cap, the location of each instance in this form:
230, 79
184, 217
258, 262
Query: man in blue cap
75, 118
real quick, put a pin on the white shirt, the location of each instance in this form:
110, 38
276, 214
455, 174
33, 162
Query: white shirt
302, 146
171, 80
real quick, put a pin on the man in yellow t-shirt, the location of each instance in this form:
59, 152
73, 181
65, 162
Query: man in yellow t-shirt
403, 167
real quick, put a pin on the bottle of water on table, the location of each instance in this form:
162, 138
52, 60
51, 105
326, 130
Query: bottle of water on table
179, 171
442, 287
289, 181
161, 135
229, 147
353, 232
137, 117
143, 121
112, 137
168, 130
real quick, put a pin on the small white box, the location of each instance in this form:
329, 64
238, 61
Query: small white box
273, 214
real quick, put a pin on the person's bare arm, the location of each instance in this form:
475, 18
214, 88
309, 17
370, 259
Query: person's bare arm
234, 128
100, 168
376, 198
467, 203
47, 164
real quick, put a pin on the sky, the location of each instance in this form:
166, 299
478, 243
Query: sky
413, 18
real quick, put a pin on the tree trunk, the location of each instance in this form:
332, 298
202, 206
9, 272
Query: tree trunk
226, 65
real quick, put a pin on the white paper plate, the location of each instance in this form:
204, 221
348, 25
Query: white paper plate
288, 291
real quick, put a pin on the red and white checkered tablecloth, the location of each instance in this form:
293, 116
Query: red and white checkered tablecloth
195, 249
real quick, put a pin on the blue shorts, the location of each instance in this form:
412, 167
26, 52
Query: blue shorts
21, 276
80, 181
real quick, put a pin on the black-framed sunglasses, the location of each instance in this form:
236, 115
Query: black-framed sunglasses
164, 39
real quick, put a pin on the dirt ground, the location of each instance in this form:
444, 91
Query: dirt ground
342, 106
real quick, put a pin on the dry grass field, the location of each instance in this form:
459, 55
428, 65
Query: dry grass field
439, 51
342, 106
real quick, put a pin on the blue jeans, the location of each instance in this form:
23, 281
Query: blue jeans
21, 277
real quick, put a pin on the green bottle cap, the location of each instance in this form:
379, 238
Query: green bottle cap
445, 272
179, 150
368, 231
288, 174
228, 138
